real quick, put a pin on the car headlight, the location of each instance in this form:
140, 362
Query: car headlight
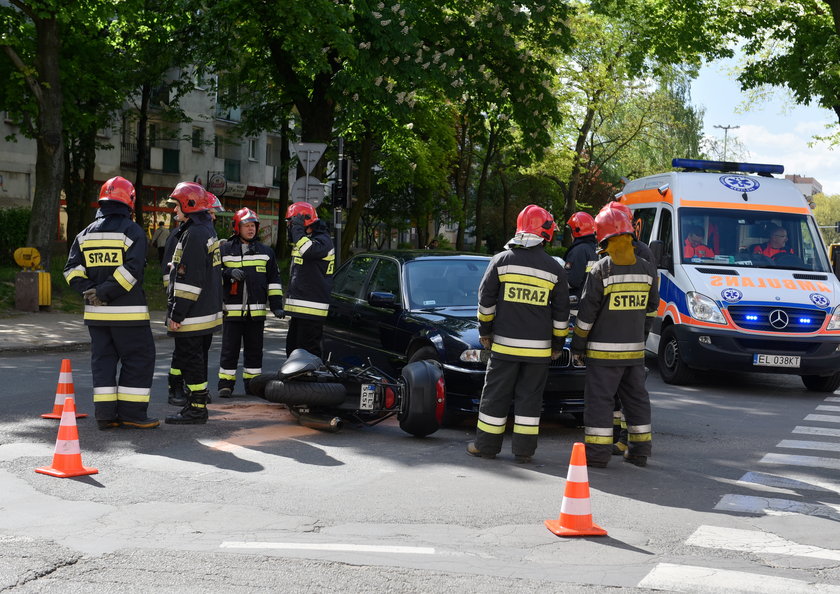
834, 322
703, 308
475, 356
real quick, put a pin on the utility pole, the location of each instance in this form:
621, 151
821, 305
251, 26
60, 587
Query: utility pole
726, 130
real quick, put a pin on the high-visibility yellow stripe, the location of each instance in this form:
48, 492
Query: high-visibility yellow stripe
188, 327
507, 350
637, 437
526, 429
600, 439
226, 376
105, 397
306, 310
122, 396
186, 295
581, 332
486, 318
561, 333
173, 371
614, 354
117, 317
75, 274
89, 244
197, 387
626, 287
124, 282
494, 429
526, 280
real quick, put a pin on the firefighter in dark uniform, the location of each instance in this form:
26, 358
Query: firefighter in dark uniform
177, 390
523, 313
251, 288
619, 302
582, 253
106, 266
642, 251
194, 297
310, 279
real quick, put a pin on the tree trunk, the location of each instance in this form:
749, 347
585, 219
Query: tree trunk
462, 176
574, 181
281, 248
489, 155
142, 141
80, 155
45, 85
363, 187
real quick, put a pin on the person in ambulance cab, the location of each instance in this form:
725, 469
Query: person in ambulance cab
523, 315
775, 245
694, 247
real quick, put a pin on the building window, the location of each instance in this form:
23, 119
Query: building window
198, 139
252, 149
233, 170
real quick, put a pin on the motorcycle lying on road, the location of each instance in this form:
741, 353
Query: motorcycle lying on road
323, 395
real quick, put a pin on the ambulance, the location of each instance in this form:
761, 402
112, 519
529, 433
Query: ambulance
745, 282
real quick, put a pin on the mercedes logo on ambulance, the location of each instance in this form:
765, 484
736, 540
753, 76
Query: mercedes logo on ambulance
778, 319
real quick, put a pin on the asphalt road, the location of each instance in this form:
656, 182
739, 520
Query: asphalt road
739, 496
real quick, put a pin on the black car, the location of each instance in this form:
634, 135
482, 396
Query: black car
396, 307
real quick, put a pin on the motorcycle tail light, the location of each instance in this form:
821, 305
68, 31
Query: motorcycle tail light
390, 398
440, 399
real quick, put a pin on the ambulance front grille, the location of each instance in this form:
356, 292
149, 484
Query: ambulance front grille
777, 319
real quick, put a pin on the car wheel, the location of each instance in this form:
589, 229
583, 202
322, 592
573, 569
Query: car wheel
419, 407
311, 393
429, 353
821, 383
672, 368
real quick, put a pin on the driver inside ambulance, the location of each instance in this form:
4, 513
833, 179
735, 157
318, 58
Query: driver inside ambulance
693, 246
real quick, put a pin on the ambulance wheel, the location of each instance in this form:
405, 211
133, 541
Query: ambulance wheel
672, 368
822, 383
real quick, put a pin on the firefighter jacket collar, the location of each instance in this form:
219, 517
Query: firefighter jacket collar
526, 240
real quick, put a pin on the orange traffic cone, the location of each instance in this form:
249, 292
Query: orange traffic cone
64, 390
575, 513
67, 460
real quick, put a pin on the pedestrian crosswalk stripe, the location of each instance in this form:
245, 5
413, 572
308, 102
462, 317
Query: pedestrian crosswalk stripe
825, 446
788, 481
833, 399
750, 504
825, 431
823, 418
691, 578
792, 460
827, 408
757, 542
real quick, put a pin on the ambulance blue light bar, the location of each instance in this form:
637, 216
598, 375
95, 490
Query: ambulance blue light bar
727, 166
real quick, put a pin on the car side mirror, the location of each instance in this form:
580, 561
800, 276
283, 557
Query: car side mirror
383, 299
660, 258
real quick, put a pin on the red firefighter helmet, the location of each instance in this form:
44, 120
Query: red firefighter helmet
622, 208
214, 201
191, 196
536, 220
245, 215
611, 222
118, 189
581, 224
302, 208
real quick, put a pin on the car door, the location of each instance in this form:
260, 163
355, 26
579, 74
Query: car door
375, 326
348, 289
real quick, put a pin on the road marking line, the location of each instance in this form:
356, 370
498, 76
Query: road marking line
757, 542
792, 482
824, 431
827, 408
328, 546
690, 578
798, 444
774, 506
792, 460
823, 418
833, 399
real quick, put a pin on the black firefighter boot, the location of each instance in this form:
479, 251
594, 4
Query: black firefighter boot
194, 413
177, 390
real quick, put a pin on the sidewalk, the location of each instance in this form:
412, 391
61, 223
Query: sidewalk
23, 332
53, 331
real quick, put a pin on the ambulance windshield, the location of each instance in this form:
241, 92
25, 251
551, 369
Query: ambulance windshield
751, 239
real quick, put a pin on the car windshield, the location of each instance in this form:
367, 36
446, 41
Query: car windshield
752, 239
444, 282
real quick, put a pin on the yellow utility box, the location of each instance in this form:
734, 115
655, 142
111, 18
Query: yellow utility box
33, 288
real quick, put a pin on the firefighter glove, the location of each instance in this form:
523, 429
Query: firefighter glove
578, 360
486, 341
92, 299
279, 314
237, 274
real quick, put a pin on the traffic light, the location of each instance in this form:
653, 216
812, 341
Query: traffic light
342, 185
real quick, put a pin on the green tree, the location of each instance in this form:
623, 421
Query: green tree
827, 213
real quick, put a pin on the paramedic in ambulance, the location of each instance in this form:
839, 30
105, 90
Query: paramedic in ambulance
776, 244
693, 246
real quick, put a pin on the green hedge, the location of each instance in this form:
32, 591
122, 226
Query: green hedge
15, 225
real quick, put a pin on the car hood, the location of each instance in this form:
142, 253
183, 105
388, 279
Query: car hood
461, 322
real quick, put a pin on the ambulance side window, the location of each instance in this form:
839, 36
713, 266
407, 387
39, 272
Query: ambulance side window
665, 233
643, 223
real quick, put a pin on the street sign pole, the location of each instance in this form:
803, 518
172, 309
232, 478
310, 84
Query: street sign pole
337, 212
